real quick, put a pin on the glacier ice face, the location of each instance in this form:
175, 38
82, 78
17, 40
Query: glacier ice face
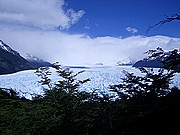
26, 82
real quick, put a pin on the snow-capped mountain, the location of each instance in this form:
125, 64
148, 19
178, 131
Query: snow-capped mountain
31, 57
35, 61
11, 61
125, 62
5, 47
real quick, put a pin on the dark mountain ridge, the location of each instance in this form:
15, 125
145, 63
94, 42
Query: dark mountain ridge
11, 61
152, 63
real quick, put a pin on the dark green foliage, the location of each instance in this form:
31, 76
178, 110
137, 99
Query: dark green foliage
153, 84
145, 105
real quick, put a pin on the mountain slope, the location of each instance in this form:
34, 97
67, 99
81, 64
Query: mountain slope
36, 62
154, 63
11, 61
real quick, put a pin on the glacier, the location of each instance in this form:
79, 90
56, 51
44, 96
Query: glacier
26, 82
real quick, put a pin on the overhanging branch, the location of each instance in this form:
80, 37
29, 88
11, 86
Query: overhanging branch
167, 20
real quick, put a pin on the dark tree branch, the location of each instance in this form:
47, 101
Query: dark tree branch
167, 20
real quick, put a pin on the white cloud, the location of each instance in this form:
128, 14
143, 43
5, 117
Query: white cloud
74, 16
86, 27
132, 30
17, 17
43, 14
81, 49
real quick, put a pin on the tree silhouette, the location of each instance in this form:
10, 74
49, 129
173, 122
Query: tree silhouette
174, 17
170, 59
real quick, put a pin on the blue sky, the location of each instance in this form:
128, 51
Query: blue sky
112, 17
81, 32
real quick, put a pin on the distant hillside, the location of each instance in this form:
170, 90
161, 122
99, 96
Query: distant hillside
36, 62
155, 63
11, 61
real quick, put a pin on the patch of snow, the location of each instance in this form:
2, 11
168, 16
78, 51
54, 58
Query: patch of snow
3, 46
7, 48
127, 61
30, 57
